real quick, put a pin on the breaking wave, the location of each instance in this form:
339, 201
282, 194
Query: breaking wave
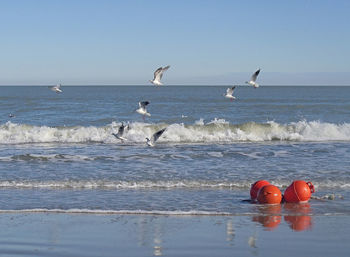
216, 131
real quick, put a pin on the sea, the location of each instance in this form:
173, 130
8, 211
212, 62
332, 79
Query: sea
58, 154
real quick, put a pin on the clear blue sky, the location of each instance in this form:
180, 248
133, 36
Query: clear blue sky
123, 42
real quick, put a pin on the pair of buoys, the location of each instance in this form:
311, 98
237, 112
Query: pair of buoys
265, 193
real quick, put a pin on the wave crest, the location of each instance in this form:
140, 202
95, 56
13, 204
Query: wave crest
216, 131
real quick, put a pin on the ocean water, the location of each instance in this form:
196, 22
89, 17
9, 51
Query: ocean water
57, 153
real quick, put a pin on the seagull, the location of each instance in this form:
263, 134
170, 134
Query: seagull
119, 135
11, 115
154, 138
229, 93
57, 88
142, 109
253, 79
158, 74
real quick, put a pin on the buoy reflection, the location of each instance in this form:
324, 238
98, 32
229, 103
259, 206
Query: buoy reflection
301, 219
270, 216
298, 216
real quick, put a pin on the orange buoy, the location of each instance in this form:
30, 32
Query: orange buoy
255, 188
269, 194
298, 192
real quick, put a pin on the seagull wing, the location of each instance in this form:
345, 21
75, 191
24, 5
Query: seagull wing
163, 70
157, 135
157, 73
121, 130
166, 68
255, 75
229, 91
143, 104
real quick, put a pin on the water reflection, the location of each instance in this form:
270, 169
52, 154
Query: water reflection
301, 219
152, 231
296, 215
157, 248
150, 228
270, 216
252, 241
230, 231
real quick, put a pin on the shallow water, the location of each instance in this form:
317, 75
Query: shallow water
154, 235
58, 154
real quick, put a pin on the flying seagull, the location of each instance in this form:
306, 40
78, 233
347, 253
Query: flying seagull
253, 79
229, 93
120, 133
57, 88
142, 109
128, 127
158, 74
154, 138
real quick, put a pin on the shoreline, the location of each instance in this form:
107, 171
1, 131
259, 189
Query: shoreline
59, 234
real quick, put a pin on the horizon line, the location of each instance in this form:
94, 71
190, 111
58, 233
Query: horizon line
175, 85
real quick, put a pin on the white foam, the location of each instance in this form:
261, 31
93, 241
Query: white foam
115, 184
46, 157
216, 131
216, 154
328, 197
318, 131
120, 212
151, 184
199, 122
218, 121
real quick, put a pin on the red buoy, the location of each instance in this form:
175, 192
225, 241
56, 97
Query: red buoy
269, 194
255, 188
298, 192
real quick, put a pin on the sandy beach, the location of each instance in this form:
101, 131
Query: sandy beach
39, 234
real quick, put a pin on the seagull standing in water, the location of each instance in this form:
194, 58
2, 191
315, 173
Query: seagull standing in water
158, 74
154, 138
253, 79
142, 109
57, 88
229, 93
120, 133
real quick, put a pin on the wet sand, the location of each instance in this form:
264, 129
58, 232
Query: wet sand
40, 234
